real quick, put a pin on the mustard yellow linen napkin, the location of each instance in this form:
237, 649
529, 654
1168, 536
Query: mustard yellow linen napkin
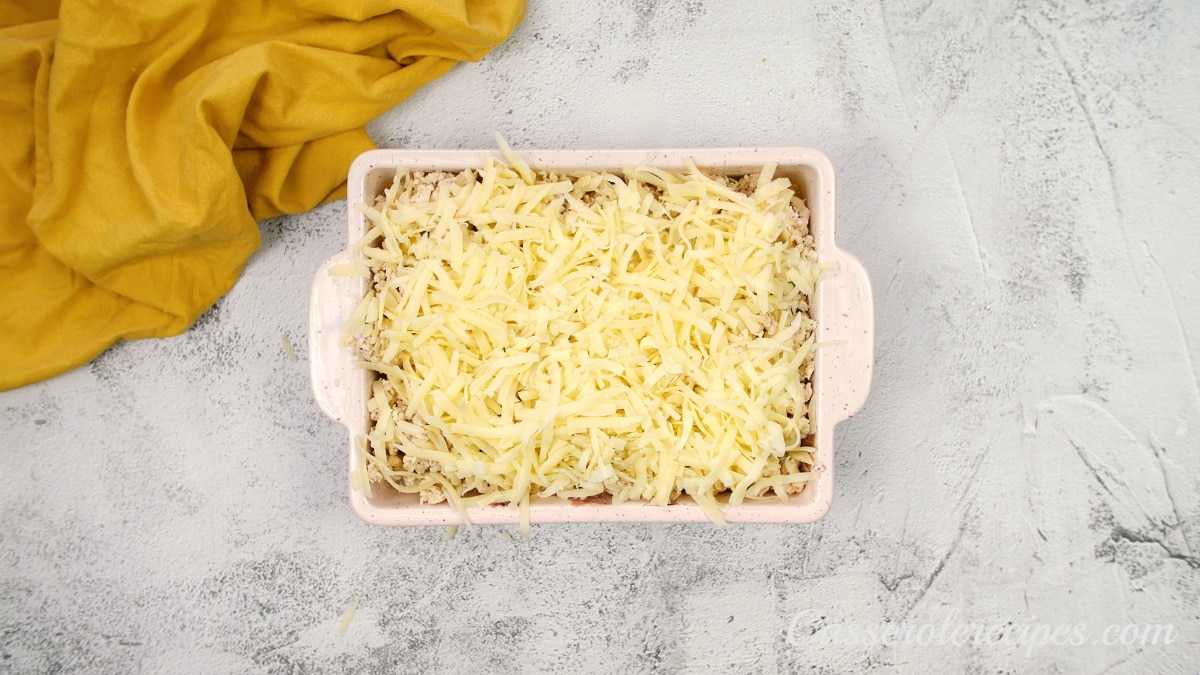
141, 141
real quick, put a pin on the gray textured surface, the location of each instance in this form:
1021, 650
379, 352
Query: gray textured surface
1019, 179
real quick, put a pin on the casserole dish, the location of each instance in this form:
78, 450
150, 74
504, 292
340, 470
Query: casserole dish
842, 308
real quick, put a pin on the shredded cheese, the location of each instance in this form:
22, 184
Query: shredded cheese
348, 615
641, 336
287, 347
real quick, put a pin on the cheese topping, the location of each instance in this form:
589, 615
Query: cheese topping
643, 335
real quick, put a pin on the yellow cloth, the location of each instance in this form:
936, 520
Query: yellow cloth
140, 141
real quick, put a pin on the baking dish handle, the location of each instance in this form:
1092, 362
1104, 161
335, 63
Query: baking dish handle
331, 365
849, 332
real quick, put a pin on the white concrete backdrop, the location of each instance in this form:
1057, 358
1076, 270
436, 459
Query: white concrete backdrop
1020, 179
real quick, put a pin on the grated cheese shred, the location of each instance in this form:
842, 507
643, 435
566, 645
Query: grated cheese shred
348, 616
642, 335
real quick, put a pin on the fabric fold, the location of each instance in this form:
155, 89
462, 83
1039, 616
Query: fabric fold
142, 142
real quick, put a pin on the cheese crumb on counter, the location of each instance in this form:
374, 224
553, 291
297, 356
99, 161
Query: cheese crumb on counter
640, 336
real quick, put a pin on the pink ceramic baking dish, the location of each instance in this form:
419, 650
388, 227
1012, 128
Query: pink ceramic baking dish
842, 307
